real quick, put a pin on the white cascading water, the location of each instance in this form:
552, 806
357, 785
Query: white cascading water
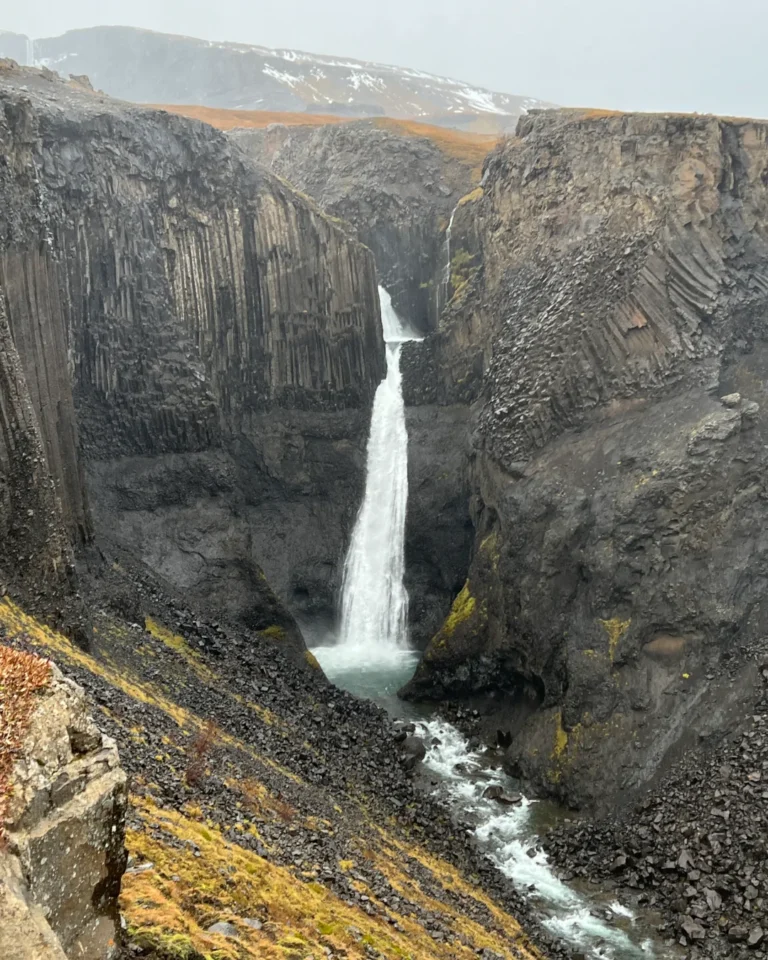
445, 281
508, 838
374, 601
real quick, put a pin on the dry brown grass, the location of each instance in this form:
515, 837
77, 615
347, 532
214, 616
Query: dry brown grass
250, 119
22, 675
469, 148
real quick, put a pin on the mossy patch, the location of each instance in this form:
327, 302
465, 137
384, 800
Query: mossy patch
561, 738
312, 660
180, 646
274, 633
17, 624
615, 628
463, 268
472, 197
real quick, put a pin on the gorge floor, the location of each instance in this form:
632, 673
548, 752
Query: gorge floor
592, 919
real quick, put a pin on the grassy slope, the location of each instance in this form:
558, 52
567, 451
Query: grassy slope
247, 836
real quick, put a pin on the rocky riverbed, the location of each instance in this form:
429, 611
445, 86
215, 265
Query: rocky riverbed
695, 847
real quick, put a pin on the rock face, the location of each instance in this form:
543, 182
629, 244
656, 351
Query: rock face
65, 829
397, 184
612, 333
150, 67
193, 336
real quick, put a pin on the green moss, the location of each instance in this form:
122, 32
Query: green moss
311, 660
462, 609
463, 268
168, 946
561, 738
274, 632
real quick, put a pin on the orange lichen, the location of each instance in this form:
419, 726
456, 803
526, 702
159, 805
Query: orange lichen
22, 675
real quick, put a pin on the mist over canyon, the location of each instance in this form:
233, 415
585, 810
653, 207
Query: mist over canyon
388, 488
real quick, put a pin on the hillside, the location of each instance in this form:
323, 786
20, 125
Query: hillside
150, 67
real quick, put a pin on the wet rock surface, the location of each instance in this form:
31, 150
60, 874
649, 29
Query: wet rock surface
396, 186
617, 502
211, 345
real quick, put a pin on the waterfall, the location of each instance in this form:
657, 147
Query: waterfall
374, 601
30, 52
445, 281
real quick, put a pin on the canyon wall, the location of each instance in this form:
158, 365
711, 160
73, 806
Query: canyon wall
398, 185
200, 345
610, 334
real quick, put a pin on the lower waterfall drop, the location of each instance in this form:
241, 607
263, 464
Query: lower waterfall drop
373, 637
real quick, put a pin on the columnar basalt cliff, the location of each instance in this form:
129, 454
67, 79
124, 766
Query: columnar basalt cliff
395, 182
217, 335
612, 328
400, 185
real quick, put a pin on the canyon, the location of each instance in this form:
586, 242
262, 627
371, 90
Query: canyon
191, 339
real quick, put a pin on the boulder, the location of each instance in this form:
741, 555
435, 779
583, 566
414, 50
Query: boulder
65, 831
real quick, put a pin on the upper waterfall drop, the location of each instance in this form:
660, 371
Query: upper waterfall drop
374, 602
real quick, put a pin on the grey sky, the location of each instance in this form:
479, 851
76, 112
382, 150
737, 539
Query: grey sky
705, 55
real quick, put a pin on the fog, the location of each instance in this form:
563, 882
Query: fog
656, 55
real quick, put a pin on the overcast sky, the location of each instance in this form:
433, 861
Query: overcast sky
704, 55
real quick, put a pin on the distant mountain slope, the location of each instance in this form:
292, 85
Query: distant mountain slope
152, 67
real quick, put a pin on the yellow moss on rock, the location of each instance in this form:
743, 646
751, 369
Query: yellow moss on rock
472, 197
615, 629
274, 632
561, 738
179, 645
312, 660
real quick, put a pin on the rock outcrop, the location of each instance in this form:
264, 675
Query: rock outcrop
396, 183
63, 821
197, 341
612, 331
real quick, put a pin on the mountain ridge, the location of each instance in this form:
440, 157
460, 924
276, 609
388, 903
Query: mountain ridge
153, 67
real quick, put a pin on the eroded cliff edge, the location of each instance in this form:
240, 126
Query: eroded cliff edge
198, 347
617, 290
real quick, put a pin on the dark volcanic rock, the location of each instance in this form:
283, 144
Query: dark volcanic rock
396, 186
619, 561
217, 334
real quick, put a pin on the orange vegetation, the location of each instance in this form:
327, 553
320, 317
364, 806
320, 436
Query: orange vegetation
471, 148
251, 119
21, 676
